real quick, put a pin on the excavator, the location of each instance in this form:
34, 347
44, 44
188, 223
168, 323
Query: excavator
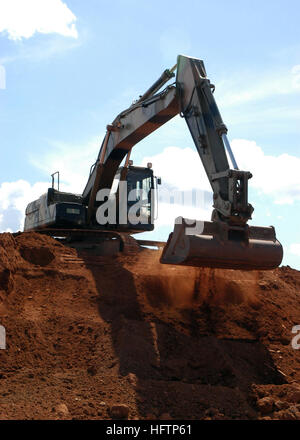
118, 201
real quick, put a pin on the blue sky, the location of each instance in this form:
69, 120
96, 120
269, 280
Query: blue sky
71, 67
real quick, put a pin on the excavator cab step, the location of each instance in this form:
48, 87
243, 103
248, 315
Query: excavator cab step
219, 245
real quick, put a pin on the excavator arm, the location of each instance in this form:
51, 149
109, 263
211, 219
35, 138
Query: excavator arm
227, 241
199, 108
192, 97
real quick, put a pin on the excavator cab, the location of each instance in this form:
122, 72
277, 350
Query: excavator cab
134, 189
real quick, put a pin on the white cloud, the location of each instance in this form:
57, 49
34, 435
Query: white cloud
23, 18
181, 171
168, 212
180, 168
14, 197
276, 176
295, 249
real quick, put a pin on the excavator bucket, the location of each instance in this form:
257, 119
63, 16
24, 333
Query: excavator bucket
218, 245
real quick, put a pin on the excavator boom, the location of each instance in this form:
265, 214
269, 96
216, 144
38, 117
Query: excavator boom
227, 241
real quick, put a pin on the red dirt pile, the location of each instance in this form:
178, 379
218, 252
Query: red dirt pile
93, 337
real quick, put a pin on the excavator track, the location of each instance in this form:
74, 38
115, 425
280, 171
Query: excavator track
109, 242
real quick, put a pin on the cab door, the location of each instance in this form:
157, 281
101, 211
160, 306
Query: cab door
140, 198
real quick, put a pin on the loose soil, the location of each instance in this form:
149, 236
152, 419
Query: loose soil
86, 333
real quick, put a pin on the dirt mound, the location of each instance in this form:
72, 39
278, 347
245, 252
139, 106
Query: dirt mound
99, 337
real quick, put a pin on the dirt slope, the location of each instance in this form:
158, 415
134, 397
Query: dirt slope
85, 333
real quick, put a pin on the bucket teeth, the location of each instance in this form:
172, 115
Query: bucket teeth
218, 245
